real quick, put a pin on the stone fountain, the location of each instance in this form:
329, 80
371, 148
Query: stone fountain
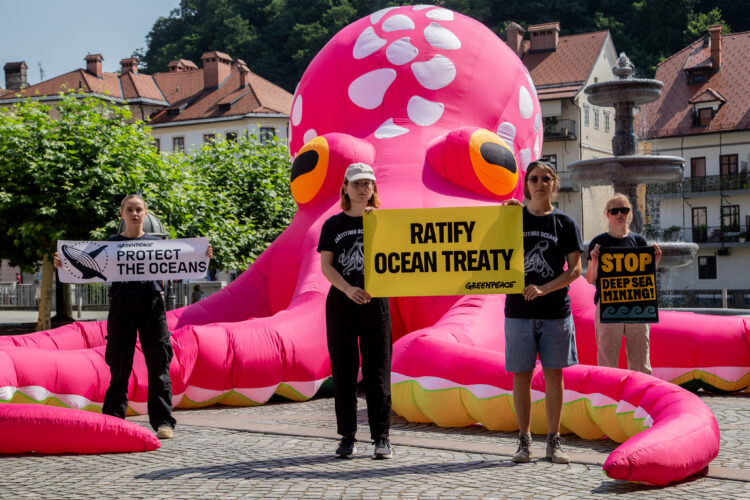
626, 169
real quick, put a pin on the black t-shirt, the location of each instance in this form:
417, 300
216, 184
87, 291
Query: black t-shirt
343, 235
122, 288
547, 240
607, 240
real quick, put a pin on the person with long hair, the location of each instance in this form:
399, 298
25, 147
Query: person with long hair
356, 323
137, 308
619, 214
539, 320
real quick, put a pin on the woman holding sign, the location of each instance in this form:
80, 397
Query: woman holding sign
539, 320
618, 212
138, 306
356, 323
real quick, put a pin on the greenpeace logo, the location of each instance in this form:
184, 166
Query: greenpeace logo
489, 285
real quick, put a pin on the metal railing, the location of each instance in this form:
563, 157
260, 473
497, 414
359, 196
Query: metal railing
700, 234
562, 128
736, 299
707, 184
89, 296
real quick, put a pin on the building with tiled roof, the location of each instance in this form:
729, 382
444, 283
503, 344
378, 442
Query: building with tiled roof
703, 115
185, 106
561, 66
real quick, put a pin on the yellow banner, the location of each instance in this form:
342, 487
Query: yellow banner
444, 251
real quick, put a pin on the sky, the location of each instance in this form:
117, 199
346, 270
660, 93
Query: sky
58, 34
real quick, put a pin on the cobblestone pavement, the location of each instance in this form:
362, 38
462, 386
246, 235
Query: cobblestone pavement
284, 450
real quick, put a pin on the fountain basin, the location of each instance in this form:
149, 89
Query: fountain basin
634, 91
635, 169
676, 254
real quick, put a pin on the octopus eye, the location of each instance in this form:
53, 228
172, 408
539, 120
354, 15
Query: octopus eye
493, 162
309, 170
476, 159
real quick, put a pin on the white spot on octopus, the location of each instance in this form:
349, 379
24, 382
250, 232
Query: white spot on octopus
525, 103
367, 91
297, 111
434, 74
389, 129
309, 135
507, 131
367, 43
440, 15
398, 22
440, 37
423, 112
401, 51
377, 16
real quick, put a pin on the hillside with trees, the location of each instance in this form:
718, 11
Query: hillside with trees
278, 38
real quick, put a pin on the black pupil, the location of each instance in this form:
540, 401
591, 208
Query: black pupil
304, 163
498, 155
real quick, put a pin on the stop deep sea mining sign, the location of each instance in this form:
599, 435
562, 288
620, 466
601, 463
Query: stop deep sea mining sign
627, 285
444, 251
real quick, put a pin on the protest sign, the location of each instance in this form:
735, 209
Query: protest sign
132, 260
627, 285
444, 251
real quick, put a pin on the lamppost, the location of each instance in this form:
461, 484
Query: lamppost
153, 226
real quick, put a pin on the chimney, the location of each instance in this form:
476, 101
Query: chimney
16, 75
128, 65
514, 37
715, 32
94, 64
544, 37
217, 66
244, 73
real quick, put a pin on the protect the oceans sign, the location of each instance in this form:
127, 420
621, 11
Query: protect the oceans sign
627, 285
444, 251
132, 260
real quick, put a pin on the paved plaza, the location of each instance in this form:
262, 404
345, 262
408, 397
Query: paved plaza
284, 450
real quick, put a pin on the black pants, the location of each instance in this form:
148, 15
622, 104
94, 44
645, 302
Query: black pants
146, 315
370, 324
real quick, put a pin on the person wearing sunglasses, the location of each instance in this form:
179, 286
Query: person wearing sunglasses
356, 323
619, 214
539, 320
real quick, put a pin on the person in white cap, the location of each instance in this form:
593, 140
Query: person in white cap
355, 322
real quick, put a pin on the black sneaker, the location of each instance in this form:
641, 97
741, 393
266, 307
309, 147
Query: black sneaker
346, 447
382, 449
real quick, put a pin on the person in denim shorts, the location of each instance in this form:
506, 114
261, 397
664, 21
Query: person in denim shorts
539, 320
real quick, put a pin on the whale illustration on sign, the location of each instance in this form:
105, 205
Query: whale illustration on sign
84, 262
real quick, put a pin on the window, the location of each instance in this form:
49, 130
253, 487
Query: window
700, 230
697, 174
746, 299
707, 267
586, 111
728, 164
596, 119
209, 137
606, 121
157, 145
267, 133
178, 144
730, 218
708, 299
231, 136
552, 160
704, 116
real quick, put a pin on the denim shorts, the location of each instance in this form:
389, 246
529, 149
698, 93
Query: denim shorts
553, 339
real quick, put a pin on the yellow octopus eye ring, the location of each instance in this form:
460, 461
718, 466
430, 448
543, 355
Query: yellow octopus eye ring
309, 170
493, 161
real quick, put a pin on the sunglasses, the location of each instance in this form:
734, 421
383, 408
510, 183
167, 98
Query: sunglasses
545, 179
619, 210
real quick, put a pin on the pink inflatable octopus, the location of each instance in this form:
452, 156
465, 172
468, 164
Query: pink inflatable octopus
448, 116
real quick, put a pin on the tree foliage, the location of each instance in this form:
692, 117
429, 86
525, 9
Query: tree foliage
237, 194
279, 38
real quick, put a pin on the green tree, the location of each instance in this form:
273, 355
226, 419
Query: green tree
699, 22
237, 194
63, 178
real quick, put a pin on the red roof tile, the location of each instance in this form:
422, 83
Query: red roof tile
570, 64
672, 113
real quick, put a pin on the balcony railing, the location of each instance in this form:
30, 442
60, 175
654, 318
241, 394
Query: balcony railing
566, 182
707, 184
700, 234
560, 129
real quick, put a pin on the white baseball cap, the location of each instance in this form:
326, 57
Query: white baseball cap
359, 170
